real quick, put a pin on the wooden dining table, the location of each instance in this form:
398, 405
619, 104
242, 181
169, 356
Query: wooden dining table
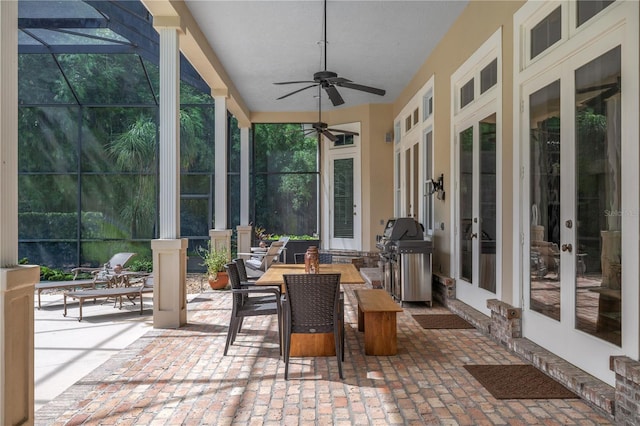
273, 276
320, 344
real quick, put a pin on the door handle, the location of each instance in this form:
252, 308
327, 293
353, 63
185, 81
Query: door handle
567, 247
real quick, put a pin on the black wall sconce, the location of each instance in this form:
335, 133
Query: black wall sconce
437, 187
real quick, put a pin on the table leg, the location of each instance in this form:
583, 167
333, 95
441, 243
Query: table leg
80, 304
64, 314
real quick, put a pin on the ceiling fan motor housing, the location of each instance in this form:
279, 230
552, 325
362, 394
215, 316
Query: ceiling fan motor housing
320, 76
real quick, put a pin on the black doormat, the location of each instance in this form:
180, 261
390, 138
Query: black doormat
518, 382
442, 321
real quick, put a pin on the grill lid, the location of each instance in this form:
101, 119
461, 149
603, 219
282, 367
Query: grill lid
403, 228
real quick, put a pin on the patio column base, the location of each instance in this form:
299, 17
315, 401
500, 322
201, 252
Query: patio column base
17, 287
221, 238
245, 238
169, 282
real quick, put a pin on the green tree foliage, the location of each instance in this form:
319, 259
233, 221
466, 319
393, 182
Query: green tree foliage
95, 140
286, 176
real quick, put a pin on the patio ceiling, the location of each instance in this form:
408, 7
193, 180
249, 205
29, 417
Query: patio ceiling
373, 43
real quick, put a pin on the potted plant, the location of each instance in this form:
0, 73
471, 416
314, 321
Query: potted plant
214, 260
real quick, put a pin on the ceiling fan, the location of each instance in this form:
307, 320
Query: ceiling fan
329, 80
323, 129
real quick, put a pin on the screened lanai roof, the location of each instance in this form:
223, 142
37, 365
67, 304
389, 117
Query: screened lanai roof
119, 33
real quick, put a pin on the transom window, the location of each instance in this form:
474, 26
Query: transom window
466, 94
547, 32
587, 9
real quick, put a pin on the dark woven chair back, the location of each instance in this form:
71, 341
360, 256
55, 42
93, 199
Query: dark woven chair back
234, 280
312, 299
242, 269
325, 258
312, 306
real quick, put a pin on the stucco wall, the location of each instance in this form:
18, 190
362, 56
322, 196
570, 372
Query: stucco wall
474, 26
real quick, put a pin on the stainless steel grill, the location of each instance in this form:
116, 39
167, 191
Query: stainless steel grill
406, 260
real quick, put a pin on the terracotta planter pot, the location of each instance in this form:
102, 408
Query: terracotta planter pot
221, 281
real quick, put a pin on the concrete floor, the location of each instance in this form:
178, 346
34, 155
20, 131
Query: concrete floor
67, 350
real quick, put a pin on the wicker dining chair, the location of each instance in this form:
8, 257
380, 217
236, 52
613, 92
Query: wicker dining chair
249, 302
312, 305
242, 272
323, 258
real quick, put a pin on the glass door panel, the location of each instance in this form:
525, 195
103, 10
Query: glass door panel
407, 183
415, 181
598, 197
544, 196
343, 198
465, 227
487, 194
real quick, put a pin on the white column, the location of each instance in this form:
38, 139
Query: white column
244, 229
16, 282
169, 134
169, 251
244, 176
220, 218
9, 129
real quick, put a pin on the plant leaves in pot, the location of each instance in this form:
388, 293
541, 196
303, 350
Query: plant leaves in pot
214, 260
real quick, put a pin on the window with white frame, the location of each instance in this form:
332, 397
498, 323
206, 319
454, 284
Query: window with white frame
427, 105
476, 96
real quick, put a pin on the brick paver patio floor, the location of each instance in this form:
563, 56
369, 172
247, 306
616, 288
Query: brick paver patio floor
180, 377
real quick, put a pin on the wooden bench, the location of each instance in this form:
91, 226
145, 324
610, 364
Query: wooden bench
109, 293
377, 319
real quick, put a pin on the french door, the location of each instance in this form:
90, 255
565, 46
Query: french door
476, 192
344, 199
574, 209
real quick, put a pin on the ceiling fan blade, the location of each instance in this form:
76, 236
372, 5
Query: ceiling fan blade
337, 80
362, 88
295, 82
345, 132
296, 91
334, 95
329, 135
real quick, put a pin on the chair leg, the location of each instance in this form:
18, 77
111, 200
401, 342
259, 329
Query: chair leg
342, 325
279, 315
237, 325
287, 344
230, 334
337, 337
342, 337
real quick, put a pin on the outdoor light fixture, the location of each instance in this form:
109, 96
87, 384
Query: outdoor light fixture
437, 186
